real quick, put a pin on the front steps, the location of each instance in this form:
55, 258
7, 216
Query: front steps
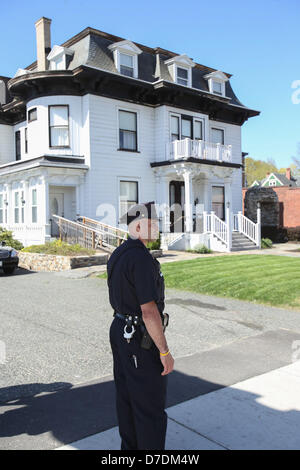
241, 243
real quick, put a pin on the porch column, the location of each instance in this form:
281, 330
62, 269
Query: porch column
9, 206
165, 202
189, 200
162, 197
228, 198
45, 208
79, 196
207, 194
27, 219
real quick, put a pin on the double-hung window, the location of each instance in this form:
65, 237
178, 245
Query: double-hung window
217, 136
2, 221
17, 207
26, 139
217, 88
59, 126
186, 127
33, 206
126, 65
218, 201
198, 130
127, 130
128, 195
175, 131
32, 115
18, 145
182, 76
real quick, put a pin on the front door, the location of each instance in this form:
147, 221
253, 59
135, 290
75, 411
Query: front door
177, 197
56, 208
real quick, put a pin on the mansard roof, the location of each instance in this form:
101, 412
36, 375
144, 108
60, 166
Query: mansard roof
91, 69
91, 48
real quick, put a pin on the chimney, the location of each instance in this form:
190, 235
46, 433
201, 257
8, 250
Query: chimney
43, 42
288, 173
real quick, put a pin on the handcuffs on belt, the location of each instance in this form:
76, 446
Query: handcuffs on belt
147, 341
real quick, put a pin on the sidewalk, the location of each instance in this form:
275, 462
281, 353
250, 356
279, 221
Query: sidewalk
262, 412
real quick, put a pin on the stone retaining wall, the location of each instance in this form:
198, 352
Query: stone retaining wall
44, 262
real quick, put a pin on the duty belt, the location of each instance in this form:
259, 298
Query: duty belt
136, 320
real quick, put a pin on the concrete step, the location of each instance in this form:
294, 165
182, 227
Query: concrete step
243, 243
235, 248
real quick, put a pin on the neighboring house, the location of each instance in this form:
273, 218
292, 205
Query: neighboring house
278, 180
102, 120
287, 189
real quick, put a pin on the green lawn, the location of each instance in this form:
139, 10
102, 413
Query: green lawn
266, 279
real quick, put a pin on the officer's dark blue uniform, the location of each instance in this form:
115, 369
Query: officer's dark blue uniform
134, 278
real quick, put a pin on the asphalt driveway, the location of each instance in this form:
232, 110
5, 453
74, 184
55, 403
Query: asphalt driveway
55, 331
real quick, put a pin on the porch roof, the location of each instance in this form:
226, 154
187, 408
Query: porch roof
201, 161
62, 161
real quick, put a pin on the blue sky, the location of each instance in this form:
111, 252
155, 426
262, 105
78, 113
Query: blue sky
255, 41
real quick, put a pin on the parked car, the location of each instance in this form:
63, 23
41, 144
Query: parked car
9, 259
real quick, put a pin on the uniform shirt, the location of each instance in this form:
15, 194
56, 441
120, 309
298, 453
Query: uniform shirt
134, 278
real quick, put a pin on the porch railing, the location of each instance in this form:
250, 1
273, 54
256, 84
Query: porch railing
198, 149
244, 225
213, 224
89, 233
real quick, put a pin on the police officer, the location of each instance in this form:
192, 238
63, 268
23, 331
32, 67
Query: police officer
141, 356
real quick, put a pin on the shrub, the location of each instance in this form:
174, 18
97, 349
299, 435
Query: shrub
155, 245
200, 249
58, 247
6, 236
266, 243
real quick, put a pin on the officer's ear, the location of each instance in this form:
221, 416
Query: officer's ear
134, 228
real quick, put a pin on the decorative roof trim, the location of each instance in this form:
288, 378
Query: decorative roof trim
126, 45
59, 50
182, 59
217, 75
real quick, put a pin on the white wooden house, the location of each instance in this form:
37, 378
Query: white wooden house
101, 122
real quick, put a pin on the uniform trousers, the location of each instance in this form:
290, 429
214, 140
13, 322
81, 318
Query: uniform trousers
140, 391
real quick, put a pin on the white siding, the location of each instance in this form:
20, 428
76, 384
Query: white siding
108, 164
7, 150
38, 131
232, 136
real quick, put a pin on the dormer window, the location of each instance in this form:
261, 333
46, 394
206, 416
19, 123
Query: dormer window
182, 76
126, 57
217, 87
126, 65
180, 69
59, 58
216, 82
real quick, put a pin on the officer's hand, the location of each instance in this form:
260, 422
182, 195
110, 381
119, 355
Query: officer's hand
168, 363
